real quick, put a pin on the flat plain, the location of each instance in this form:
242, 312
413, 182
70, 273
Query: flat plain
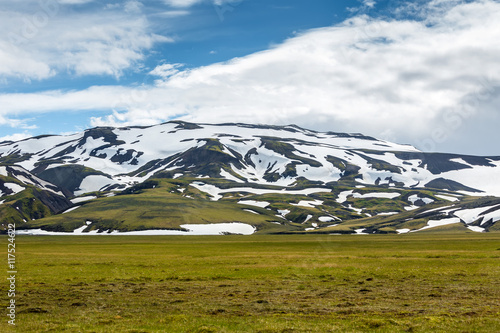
426, 282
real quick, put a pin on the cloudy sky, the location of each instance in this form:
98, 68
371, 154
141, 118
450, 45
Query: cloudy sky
420, 72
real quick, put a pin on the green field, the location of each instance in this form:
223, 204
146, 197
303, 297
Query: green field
262, 283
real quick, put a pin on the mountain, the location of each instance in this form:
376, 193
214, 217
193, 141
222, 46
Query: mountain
276, 178
25, 197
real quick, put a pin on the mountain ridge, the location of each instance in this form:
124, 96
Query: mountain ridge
213, 160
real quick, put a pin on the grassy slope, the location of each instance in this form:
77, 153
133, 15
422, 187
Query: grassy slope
156, 208
166, 207
259, 283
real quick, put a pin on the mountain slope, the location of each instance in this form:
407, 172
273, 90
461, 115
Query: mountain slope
309, 179
25, 197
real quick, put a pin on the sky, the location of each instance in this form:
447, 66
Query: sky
423, 72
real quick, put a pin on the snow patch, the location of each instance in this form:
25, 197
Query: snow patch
446, 197
308, 204
433, 223
82, 199
414, 198
229, 176
93, 183
70, 210
471, 215
476, 229
283, 212
193, 229
16, 188
261, 204
385, 195
251, 211
342, 197
357, 210
210, 189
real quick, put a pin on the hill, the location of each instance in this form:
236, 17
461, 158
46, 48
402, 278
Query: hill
278, 179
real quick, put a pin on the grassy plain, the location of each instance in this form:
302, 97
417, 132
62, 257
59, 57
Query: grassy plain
262, 283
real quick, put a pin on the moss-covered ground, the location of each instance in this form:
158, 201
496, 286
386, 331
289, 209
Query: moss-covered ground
261, 283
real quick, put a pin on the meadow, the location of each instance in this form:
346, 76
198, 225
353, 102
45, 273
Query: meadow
426, 282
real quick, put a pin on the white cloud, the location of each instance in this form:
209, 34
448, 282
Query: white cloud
190, 3
166, 70
73, 2
42, 40
173, 13
182, 3
369, 3
15, 137
403, 78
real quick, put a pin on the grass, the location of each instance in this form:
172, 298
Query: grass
261, 283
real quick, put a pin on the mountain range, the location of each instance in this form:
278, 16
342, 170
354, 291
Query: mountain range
277, 179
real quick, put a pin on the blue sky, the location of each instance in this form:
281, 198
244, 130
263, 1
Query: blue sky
420, 72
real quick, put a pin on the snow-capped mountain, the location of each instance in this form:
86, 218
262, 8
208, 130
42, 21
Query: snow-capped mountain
29, 196
276, 178
112, 158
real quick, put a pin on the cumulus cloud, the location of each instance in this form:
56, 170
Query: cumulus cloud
15, 137
418, 81
369, 3
190, 3
182, 3
49, 39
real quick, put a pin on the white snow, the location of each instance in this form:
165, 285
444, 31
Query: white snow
82, 199
177, 175
436, 209
229, 176
215, 191
408, 208
476, 229
308, 218
207, 188
308, 204
342, 197
283, 212
403, 231
326, 219
93, 183
415, 197
438, 223
360, 231
495, 216
357, 210
251, 211
386, 195
194, 229
16, 188
318, 144
70, 209
446, 197
261, 204
471, 215
3, 171
388, 213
